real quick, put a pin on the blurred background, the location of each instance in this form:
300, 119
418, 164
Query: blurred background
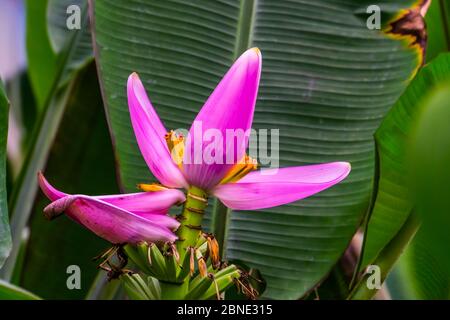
12, 66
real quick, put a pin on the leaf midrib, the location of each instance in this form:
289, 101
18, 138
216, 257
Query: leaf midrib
221, 213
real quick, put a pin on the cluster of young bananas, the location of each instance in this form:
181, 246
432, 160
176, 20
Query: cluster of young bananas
161, 273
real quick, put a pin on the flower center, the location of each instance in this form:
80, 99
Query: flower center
175, 142
240, 169
152, 187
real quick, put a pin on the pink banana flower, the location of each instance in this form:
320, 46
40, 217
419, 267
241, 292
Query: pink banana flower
131, 218
179, 164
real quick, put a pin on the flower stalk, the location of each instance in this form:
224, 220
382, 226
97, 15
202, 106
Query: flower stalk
191, 220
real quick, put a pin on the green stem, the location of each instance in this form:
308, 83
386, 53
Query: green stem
188, 234
387, 258
191, 220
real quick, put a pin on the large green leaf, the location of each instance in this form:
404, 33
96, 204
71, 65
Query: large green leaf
429, 158
327, 81
393, 201
80, 161
424, 270
5, 235
12, 292
426, 266
438, 27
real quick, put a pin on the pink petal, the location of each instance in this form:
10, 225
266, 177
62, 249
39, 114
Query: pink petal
275, 187
230, 106
150, 135
51, 193
109, 222
139, 203
146, 202
161, 220
112, 217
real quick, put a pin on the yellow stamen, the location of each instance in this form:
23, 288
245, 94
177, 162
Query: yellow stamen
153, 187
175, 142
239, 170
